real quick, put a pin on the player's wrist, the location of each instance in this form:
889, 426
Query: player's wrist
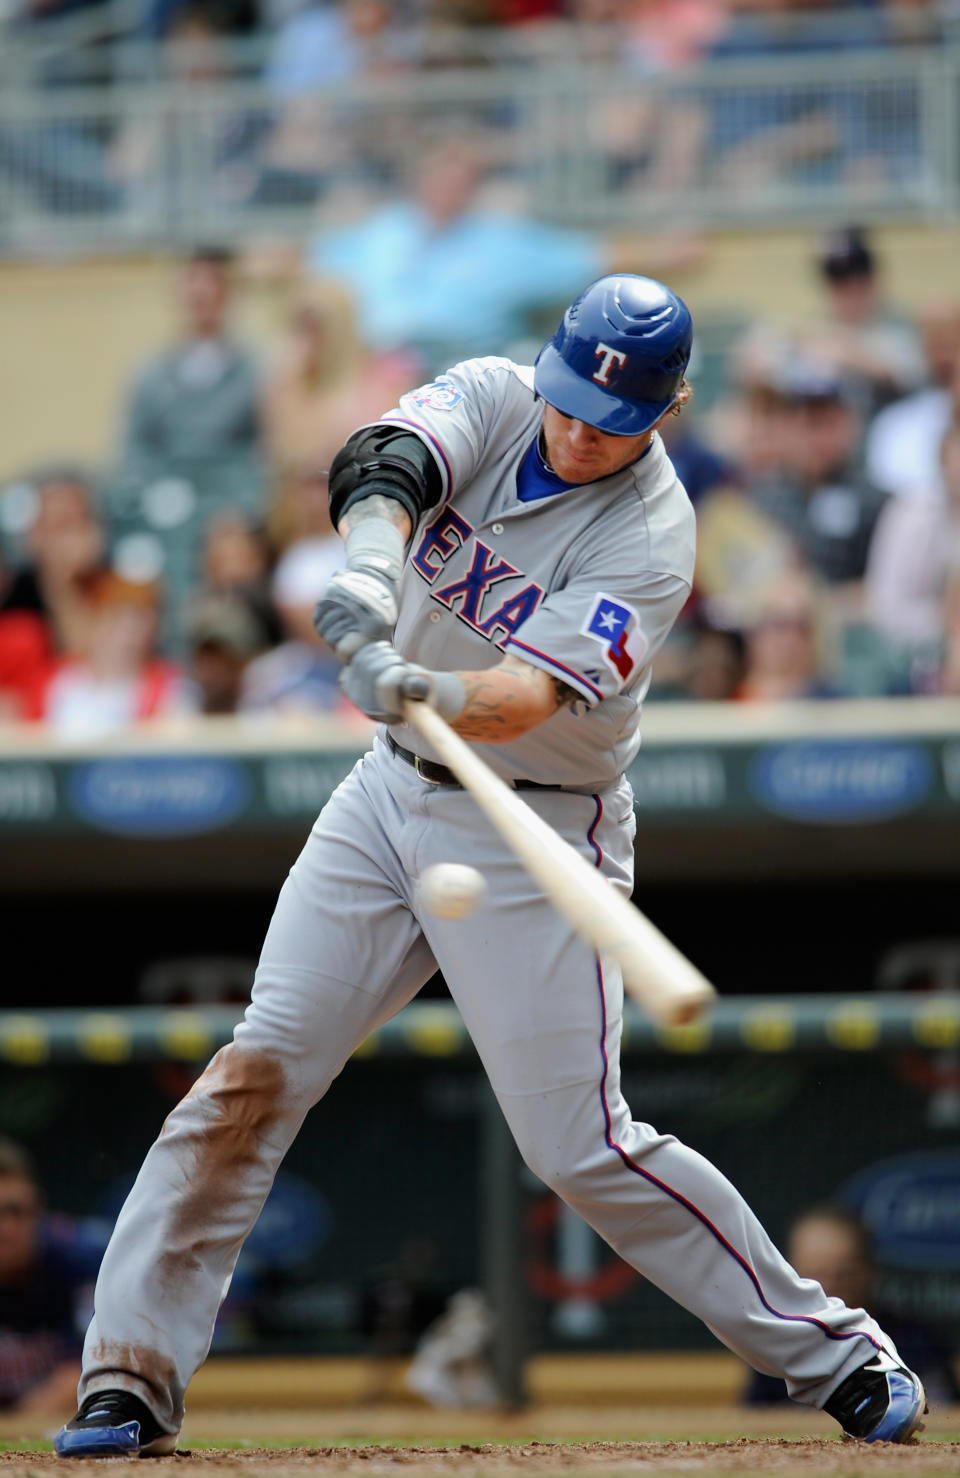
448, 695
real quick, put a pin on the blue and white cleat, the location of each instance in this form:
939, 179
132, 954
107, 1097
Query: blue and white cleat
113, 1424
880, 1402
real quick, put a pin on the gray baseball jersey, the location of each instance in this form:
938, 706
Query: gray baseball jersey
584, 581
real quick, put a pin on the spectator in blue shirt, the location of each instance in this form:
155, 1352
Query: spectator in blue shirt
443, 273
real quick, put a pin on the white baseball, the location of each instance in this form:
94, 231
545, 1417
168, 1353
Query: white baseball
451, 891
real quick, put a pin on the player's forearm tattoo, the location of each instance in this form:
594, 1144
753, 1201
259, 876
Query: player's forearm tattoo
506, 701
562, 693
483, 716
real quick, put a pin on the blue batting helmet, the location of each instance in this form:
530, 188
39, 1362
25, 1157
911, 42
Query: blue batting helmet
618, 357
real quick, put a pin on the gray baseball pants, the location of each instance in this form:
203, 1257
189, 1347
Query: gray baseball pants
344, 952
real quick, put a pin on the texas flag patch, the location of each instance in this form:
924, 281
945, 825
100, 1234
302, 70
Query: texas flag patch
617, 628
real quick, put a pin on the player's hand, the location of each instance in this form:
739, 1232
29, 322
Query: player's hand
379, 681
357, 607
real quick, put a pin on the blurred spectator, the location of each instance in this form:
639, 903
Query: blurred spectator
451, 1366
747, 422
902, 449
317, 44
805, 132
65, 547
161, 18
237, 558
303, 526
236, 553
324, 382
699, 467
25, 651
663, 34
224, 634
120, 680
786, 646
832, 1246
820, 497
741, 552
440, 272
761, 134
646, 140
716, 663
915, 549
876, 351
397, 1304
321, 133
190, 56
193, 417
44, 1294
301, 675
46, 604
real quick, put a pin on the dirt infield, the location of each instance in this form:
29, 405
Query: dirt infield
755, 1456
419, 1443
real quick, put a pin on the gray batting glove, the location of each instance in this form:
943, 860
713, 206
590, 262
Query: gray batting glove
357, 607
378, 680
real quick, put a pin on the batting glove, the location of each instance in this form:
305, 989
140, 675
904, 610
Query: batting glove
357, 607
379, 681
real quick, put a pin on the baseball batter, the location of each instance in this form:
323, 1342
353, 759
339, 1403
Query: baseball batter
517, 549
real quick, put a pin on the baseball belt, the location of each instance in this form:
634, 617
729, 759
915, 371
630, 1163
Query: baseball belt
436, 774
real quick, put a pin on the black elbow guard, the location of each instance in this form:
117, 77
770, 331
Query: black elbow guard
388, 460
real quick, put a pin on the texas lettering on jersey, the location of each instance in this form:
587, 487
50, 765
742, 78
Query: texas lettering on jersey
470, 597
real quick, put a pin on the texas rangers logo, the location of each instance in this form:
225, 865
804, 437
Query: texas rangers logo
617, 628
439, 395
610, 358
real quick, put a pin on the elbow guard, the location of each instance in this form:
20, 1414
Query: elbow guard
387, 460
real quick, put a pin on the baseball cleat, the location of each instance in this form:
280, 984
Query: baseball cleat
880, 1402
113, 1424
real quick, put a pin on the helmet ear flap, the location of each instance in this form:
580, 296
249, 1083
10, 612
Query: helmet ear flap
618, 356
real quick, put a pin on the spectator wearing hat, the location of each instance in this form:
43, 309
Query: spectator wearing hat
819, 496
876, 351
225, 633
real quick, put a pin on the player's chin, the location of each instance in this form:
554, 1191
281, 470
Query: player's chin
578, 469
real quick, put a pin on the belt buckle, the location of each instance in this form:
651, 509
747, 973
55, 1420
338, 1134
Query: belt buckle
417, 762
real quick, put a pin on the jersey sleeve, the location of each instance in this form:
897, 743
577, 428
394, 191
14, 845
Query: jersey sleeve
452, 414
600, 636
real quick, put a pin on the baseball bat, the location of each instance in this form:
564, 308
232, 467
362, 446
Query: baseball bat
660, 979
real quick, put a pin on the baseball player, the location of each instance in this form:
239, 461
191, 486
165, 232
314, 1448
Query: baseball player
517, 549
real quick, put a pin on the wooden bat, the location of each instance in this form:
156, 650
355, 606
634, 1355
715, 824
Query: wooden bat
663, 981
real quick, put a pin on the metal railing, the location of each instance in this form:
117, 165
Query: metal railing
151, 164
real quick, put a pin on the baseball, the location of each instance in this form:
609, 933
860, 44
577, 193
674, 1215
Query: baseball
451, 891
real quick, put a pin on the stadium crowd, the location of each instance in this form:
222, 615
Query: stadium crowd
180, 578
298, 120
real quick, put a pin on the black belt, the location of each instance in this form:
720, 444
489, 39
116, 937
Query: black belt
440, 775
